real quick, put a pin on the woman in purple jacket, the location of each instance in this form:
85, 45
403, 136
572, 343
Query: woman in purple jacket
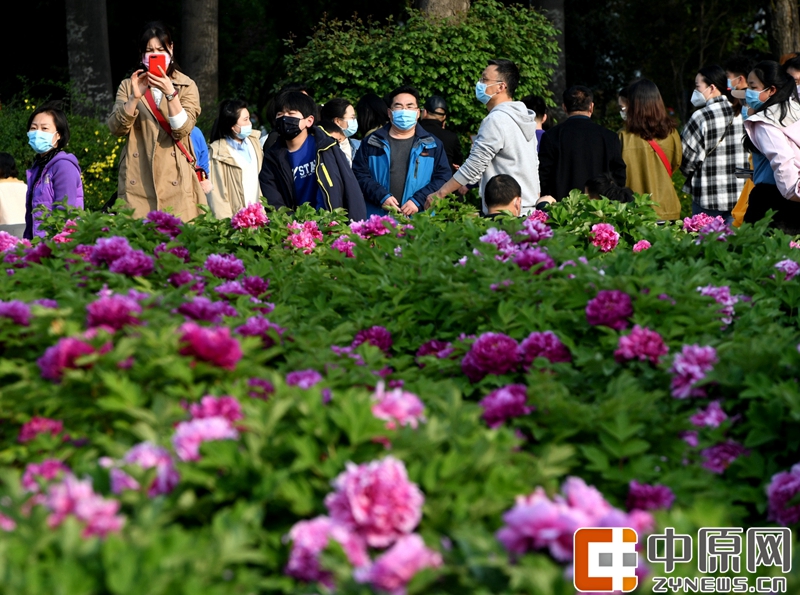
55, 174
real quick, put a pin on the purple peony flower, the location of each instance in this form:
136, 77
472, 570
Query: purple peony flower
107, 250
61, 356
543, 344
344, 245
611, 308
305, 379
45, 303
230, 289
534, 230
258, 326
376, 336
720, 456
711, 417
37, 253
147, 456
255, 286
164, 223
260, 388
789, 268
528, 258
224, 266
212, 345
716, 227
113, 312
180, 251
649, 497
690, 367
504, 403
491, 353
642, 344
201, 308
722, 295
783, 489
16, 311
182, 278
440, 349
133, 264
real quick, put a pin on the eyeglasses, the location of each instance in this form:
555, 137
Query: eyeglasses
399, 106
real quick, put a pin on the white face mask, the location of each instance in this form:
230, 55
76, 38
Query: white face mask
698, 99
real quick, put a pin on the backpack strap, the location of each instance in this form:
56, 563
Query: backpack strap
663, 156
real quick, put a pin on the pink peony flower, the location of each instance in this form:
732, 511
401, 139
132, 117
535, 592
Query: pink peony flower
397, 407
344, 245
75, 497
720, 456
642, 344
212, 345
698, 222
201, 308
107, 250
534, 230
16, 311
649, 497
63, 355
529, 258
491, 353
504, 403
310, 538
164, 223
604, 236
610, 308
301, 241
210, 406
48, 470
722, 295
40, 425
7, 241
189, 435
711, 417
394, 569
7, 524
690, 367
789, 268
147, 456
224, 266
377, 336
782, 490
133, 264
538, 215
113, 311
793, 244
376, 225
641, 246
250, 217
376, 501
543, 344
305, 379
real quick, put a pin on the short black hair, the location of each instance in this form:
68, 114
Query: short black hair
295, 101
535, 103
501, 190
577, 99
402, 89
334, 108
739, 65
8, 166
229, 112
604, 185
161, 32
55, 109
508, 73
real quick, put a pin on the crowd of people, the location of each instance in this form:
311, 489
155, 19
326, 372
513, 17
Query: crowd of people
739, 150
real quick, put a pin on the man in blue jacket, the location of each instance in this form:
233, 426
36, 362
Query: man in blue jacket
399, 165
306, 165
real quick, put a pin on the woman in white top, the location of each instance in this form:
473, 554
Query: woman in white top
342, 113
235, 157
12, 192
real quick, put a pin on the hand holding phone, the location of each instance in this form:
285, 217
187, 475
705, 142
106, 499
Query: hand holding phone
157, 60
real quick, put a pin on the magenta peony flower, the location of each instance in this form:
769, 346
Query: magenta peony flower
720, 456
376, 336
7, 241
611, 308
711, 417
75, 497
376, 501
642, 344
604, 236
260, 388
147, 456
113, 311
534, 231
641, 246
250, 217
182, 278
397, 407
230, 289
393, 570
180, 251
189, 435
210, 406
545, 344
164, 223
201, 308
539, 215
133, 264
301, 241
258, 326
107, 250
18, 312
376, 225
344, 245
48, 470
528, 258
690, 367
40, 425
440, 349
310, 538
212, 345
789, 268
305, 379
255, 286
698, 222
649, 497
62, 355
491, 353
783, 489
690, 438
224, 266
504, 403
722, 295
45, 303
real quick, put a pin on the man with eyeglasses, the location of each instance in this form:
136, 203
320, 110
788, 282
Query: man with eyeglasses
506, 140
433, 120
400, 164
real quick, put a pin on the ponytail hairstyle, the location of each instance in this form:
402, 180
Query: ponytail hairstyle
229, 112
715, 75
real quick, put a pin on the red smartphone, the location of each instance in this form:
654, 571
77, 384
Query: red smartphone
157, 60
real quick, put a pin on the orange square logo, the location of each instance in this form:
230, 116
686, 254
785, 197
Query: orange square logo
605, 559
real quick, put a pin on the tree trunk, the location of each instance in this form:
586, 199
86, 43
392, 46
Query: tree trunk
443, 8
200, 54
89, 59
784, 26
554, 11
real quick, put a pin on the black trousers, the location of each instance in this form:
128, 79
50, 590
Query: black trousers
765, 197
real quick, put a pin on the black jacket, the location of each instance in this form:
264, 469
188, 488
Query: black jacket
576, 151
334, 176
450, 142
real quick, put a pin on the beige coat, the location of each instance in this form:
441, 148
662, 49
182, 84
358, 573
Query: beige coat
153, 173
227, 197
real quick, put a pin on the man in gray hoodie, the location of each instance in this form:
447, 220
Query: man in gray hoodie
506, 141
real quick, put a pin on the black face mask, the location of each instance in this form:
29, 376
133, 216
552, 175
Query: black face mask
287, 127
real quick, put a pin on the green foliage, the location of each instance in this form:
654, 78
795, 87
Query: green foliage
444, 57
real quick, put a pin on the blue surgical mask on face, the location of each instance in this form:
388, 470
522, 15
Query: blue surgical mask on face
404, 119
244, 132
481, 94
40, 141
352, 128
745, 109
751, 97
730, 84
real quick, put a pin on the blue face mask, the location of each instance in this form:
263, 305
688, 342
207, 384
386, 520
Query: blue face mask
751, 97
244, 132
730, 84
352, 128
745, 109
404, 119
40, 141
481, 94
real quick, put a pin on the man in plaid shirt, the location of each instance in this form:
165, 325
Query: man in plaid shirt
712, 147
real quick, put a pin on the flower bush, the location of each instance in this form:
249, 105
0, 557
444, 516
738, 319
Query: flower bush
247, 413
